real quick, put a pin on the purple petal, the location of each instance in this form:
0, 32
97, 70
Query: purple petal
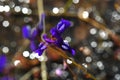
41, 22
41, 48
59, 23
26, 32
59, 42
73, 51
48, 40
62, 25
41, 44
61, 28
3, 61
66, 22
55, 33
66, 47
33, 45
39, 51
34, 33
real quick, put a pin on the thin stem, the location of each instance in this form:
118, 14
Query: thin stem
43, 63
68, 4
44, 68
74, 75
62, 53
41, 11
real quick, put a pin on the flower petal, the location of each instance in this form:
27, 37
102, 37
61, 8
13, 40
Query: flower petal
41, 22
3, 61
41, 44
41, 48
39, 51
73, 51
26, 32
33, 45
54, 32
62, 25
61, 28
66, 47
66, 22
48, 40
34, 33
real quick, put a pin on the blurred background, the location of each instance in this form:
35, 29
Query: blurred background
94, 34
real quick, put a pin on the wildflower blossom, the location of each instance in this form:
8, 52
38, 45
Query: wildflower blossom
42, 46
33, 34
55, 38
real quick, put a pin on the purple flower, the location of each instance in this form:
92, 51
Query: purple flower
33, 45
60, 43
62, 25
60, 28
56, 33
48, 40
30, 33
56, 39
34, 34
66, 47
42, 46
26, 30
3, 61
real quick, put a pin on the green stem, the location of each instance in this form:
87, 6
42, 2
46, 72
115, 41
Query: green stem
43, 63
